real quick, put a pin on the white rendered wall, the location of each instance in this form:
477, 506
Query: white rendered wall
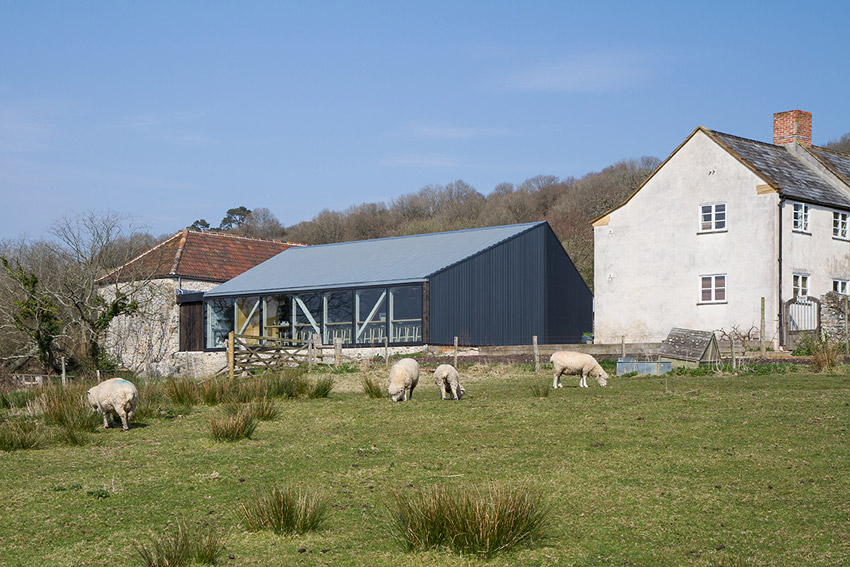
649, 257
815, 253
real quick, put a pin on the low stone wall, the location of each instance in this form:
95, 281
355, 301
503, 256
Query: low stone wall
832, 316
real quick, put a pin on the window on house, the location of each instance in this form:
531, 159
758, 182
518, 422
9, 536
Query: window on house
712, 217
839, 225
800, 284
801, 217
713, 288
840, 286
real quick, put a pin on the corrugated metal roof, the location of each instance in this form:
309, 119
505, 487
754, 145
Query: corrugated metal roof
384, 261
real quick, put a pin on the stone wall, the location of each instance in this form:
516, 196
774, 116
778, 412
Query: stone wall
832, 316
147, 342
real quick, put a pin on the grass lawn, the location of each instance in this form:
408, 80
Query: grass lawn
729, 470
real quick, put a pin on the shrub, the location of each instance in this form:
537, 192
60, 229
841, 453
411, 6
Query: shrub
284, 510
371, 387
240, 425
321, 388
19, 434
468, 520
825, 353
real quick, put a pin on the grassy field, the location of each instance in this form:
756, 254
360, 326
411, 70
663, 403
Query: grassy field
716, 470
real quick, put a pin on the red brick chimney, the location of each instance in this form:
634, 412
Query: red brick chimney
792, 126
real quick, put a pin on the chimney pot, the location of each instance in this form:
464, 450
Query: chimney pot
792, 126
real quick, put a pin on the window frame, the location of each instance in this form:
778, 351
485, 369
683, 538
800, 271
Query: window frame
713, 289
800, 218
841, 225
838, 283
800, 281
713, 220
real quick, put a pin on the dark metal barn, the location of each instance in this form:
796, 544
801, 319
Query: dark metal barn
487, 286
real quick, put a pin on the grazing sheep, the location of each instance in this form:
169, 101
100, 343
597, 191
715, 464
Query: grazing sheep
116, 397
404, 375
448, 380
577, 363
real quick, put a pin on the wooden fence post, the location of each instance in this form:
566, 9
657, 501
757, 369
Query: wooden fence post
732, 343
64, 376
337, 351
761, 332
846, 336
623, 345
231, 361
455, 352
536, 354
386, 351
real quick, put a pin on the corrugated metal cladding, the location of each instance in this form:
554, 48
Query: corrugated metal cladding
504, 295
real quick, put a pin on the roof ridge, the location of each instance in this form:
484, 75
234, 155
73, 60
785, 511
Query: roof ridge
117, 271
179, 254
255, 238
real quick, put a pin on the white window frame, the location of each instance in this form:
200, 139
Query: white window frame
800, 219
840, 225
840, 286
708, 215
800, 285
719, 293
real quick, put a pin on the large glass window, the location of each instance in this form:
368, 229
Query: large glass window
713, 288
248, 317
406, 314
277, 313
219, 322
337, 316
307, 309
370, 306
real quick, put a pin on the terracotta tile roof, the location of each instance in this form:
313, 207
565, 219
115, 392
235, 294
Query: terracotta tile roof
209, 256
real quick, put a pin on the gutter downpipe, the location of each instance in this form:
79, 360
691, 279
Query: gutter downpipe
781, 326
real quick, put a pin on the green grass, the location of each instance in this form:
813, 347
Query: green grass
749, 470
284, 510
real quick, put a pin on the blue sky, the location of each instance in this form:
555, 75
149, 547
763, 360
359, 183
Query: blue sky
174, 111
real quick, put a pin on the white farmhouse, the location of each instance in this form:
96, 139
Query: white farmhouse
723, 222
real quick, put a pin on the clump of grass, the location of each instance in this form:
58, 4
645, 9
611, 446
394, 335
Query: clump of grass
65, 407
152, 398
321, 388
284, 510
346, 368
287, 384
171, 549
467, 520
371, 387
17, 399
17, 434
263, 409
233, 427
217, 391
541, 390
825, 353
182, 392
209, 543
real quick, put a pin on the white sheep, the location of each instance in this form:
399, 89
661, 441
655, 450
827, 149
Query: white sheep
114, 397
404, 375
448, 380
578, 363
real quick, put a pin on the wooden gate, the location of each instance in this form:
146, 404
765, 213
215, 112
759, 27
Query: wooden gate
801, 318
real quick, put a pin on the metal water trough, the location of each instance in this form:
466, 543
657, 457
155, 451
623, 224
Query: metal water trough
628, 364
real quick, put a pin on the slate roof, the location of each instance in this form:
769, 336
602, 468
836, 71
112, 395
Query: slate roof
209, 256
687, 344
788, 174
384, 261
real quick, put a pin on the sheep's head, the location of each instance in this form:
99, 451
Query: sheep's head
396, 395
90, 399
602, 377
460, 391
